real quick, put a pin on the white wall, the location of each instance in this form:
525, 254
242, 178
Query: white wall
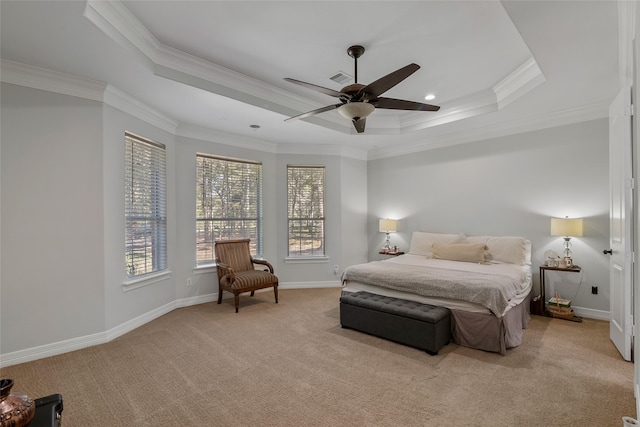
62, 266
52, 265
121, 306
507, 186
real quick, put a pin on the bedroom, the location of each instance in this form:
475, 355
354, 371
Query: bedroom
504, 184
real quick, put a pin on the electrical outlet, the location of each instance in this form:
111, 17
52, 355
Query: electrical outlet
335, 269
189, 281
594, 290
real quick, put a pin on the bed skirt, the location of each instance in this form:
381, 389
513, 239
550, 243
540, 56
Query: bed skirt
484, 331
487, 332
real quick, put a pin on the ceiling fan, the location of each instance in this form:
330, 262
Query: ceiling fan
357, 101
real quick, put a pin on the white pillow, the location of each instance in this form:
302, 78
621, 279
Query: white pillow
422, 242
508, 249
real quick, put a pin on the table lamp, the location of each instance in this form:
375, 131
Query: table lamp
388, 226
566, 227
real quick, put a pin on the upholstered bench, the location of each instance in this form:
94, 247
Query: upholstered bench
422, 326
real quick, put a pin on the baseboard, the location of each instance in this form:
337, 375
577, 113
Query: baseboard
309, 285
73, 344
53, 349
60, 347
590, 313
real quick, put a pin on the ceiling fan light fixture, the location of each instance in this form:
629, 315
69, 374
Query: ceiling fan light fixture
356, 110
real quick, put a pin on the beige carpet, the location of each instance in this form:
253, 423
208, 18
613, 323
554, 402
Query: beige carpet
291, 364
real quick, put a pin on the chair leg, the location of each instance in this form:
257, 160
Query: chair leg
236, 298
253, 292
275, 291
219, 294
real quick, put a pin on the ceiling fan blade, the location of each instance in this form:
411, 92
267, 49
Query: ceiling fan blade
314, 112
401, 104
317, 88
359, 125
385, 83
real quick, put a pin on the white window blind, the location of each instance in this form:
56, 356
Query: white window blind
228, 204
305, 206
145, 206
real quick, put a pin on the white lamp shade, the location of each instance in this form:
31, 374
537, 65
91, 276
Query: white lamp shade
388, 225
566, 227
356, 110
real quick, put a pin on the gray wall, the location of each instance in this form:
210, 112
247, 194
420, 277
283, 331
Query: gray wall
507, 186
52, 265
62, 221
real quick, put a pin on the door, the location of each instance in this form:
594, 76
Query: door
621, 223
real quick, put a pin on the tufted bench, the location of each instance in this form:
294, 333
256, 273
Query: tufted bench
422, 326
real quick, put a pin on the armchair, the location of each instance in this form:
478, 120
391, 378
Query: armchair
236, 271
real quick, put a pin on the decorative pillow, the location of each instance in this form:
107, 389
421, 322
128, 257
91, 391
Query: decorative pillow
508, 249
464, 252
422, 242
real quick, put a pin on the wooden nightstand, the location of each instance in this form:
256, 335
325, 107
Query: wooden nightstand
391, 253
543, 269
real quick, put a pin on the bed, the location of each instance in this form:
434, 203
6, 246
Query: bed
484, 280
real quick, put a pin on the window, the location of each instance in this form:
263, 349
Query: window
228, 204
145, 206
305, 196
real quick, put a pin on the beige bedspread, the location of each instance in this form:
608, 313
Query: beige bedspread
491, 290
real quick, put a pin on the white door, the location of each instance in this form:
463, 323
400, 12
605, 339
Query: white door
621, 222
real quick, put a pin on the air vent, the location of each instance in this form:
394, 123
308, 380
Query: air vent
341, 78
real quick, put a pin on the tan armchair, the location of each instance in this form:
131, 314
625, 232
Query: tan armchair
236, 272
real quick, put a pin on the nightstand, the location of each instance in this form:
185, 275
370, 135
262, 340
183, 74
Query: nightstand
391, 253
543, 269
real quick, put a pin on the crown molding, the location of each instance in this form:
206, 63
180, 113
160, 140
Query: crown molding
51, 81
117, 22
128, 104
518, 82
220, 137
542, 121
323, 150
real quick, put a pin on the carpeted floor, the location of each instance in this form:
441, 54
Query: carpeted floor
291, 364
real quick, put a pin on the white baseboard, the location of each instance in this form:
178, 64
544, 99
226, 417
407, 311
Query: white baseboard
53, 349
309, 285
590, 313
73, 344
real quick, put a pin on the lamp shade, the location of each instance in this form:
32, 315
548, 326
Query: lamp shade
566, 227
388, 225
356, 110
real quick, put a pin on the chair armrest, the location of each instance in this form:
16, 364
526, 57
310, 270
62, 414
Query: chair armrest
263, 262
224, 269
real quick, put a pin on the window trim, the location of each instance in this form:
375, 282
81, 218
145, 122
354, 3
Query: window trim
323, 257
210, 264
159, 216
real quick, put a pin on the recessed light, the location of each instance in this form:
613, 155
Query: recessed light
254, 127
429, 97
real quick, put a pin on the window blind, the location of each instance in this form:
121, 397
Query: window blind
228, 204
145, 206
305, 207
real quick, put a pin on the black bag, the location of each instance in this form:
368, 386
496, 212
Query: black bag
48, 411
